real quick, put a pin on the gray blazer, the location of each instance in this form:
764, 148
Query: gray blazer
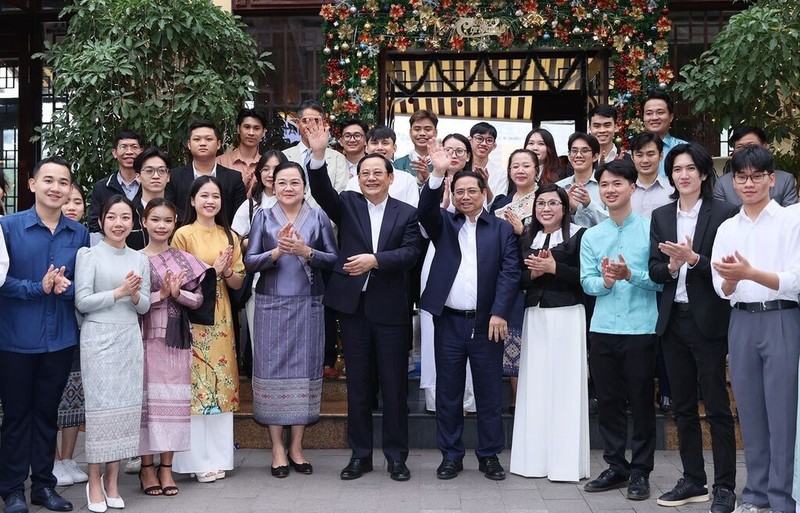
784, 192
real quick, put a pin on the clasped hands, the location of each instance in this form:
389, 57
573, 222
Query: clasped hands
171, 286
614, 271
129, 287
290, 242
541, 263
679, 254
733, 269
55, 281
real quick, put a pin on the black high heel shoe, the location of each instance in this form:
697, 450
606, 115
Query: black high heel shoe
152, 491
301, 468
282, 471
169, 491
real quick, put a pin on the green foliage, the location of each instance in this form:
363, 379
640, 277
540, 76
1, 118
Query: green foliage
750, 74
151, 66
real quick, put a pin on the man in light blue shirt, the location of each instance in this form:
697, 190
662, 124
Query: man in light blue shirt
614, 269
657, 114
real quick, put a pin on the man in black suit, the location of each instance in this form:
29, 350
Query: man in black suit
204, 143
470, 307
378, 246
693, 324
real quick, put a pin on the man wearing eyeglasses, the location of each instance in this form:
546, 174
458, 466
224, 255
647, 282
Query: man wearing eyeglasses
483, 138
585, 205
470, 307
127, 145
756, 266
311, 114
354, 143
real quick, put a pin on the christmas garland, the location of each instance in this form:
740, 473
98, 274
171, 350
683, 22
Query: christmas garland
634, 31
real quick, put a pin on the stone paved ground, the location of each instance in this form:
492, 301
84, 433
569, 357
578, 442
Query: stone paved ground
250, 489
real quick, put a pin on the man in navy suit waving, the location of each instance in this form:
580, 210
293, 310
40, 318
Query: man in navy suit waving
473, 283
378, 246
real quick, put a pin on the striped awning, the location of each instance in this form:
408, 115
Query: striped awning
508, 107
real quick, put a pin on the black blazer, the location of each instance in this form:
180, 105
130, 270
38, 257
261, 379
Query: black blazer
104, 189
498, 260
560, 289
181, 178
711, 313
386, 297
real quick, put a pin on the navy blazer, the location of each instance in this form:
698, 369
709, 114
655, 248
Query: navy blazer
180, 181
386, 297
711, 313
498, 260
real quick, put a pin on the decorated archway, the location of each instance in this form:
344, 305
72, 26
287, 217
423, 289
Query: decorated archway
632, 32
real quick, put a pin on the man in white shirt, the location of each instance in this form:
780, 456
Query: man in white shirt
585, 206
483, 139
382, 140
311, 113
652, 190
354, 143
756, 266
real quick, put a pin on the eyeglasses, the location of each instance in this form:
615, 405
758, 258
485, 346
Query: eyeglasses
580, 151
377, 174
553, 204
742, 178
154, 171
481, 140
458, 152
352, 137
472, 191
123, 148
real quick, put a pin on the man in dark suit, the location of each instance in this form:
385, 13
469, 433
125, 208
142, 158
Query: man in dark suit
470, 307
204, 143
693, 324
378, 246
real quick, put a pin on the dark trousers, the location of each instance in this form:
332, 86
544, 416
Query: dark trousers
623, 367
369, 346
692, 358
454, 343
31, 386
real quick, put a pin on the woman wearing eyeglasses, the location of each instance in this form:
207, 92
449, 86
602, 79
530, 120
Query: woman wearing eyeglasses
517, 209
459, 151
551, 425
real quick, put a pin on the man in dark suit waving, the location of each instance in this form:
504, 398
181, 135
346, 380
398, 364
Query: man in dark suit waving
379, 245
693, 324
204, 143
471, 289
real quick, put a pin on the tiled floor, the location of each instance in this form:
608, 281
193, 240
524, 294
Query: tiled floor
250, 488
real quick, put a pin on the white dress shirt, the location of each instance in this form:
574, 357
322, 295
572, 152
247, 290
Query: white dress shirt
403, 188
464, 291
198, 175
771, 243
686, 224
645, 199
375, 220
595, 212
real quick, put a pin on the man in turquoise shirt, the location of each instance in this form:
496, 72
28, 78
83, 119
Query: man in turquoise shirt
614, 268
657, 115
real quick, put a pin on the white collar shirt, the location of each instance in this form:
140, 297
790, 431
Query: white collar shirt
686, 225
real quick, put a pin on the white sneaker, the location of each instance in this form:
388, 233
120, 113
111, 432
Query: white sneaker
77, 475
62, 474
133, 465
746, 507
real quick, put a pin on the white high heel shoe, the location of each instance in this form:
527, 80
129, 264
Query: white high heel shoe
112, 502
96, 507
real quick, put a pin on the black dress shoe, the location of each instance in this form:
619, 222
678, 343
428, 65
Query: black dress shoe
638, 488
399, 471
51, 500
15, 502
491, 468
607, 480
665, 405
282, 471
356, 468
449, 469
301, 468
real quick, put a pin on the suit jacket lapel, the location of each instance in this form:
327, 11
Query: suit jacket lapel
389, 219
702, 223
672, 226
363, 219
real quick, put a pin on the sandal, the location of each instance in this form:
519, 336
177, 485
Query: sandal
206, 477
150, 490
170, 490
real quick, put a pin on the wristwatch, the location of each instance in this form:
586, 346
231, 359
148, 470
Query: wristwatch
310, 255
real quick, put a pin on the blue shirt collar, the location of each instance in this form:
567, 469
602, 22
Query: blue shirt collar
31, 218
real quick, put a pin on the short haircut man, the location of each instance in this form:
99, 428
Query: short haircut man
658, 114
603, 125
204, 143
423, 131
250, 128
586, 208
483, 139
353, 142
470, 308
127, 145
784, 192
693, 325
40, 332
614, 268
311, 114
756, 266
652, 190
